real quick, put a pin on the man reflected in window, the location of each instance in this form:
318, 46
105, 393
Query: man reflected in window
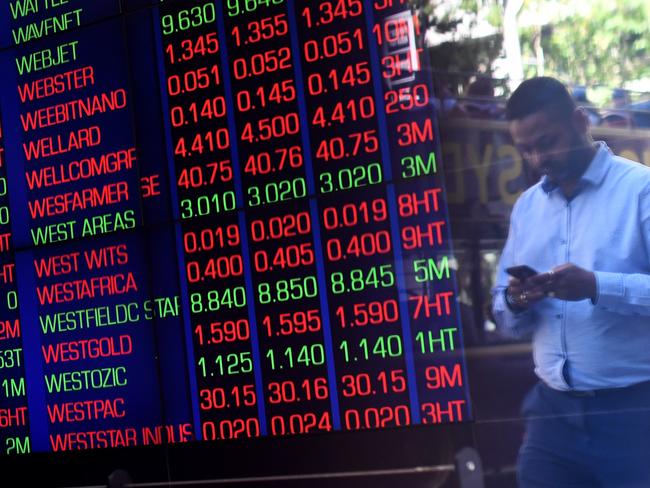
584, 229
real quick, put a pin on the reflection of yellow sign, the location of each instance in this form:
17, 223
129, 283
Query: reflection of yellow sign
644, 157
466, 168
482, 165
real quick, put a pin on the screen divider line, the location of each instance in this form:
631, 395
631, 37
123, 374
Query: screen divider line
313, 207
185, 299
248, 276
394, 215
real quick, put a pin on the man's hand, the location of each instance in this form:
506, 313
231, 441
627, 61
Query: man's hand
522, 294
566, 282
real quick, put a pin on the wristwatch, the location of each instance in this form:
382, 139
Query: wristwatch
516, 303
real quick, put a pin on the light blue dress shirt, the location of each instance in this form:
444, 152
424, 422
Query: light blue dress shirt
604, 228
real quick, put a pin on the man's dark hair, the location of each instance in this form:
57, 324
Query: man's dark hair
537, 94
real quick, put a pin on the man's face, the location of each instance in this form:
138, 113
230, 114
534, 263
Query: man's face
550, 142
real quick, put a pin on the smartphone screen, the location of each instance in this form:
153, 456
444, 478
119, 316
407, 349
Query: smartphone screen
522, 272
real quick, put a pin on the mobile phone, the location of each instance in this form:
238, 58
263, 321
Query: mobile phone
522, 272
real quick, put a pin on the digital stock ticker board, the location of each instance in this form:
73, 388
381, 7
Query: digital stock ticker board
220, 220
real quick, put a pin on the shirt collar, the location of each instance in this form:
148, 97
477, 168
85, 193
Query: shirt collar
593, 175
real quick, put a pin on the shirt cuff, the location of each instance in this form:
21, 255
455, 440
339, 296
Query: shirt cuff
610, 288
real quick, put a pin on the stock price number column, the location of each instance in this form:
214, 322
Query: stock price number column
357, 242
212, 234
290, 321
420, 211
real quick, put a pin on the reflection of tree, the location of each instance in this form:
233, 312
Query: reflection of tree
595, 42
605, 42
511, 45
470, 56
465, 53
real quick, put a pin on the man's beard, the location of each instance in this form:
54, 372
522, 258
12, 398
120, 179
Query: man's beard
570, 167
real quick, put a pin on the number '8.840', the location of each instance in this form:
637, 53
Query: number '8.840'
215, 300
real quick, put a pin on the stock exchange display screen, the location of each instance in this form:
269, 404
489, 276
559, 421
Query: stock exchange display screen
220, 220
